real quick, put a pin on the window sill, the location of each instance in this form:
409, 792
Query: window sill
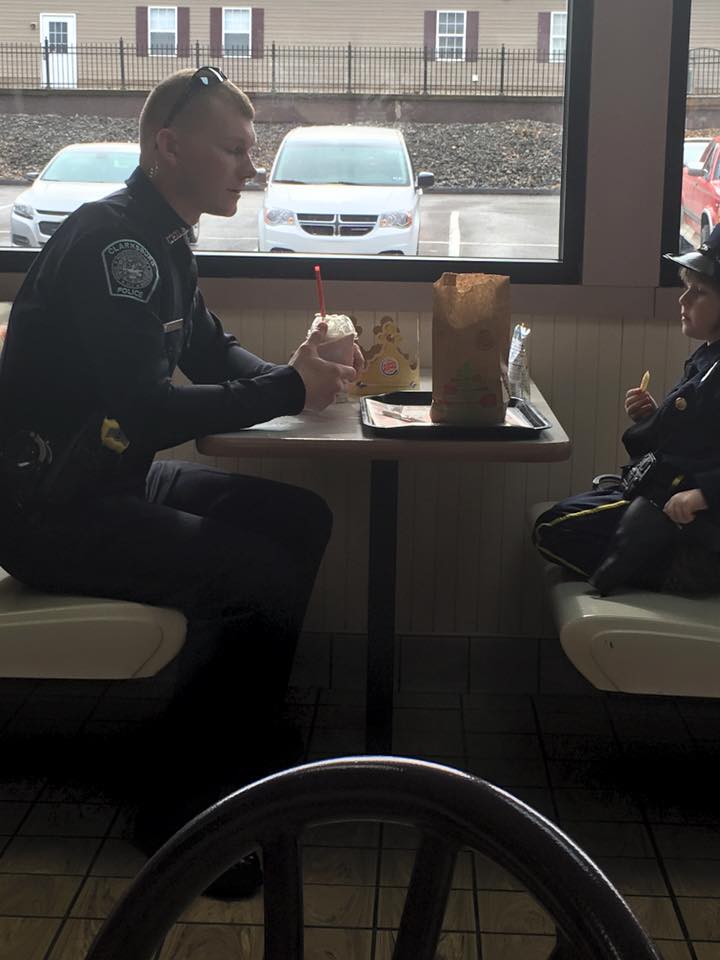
300, 266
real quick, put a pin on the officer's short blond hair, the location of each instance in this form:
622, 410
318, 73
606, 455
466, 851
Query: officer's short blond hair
162, 99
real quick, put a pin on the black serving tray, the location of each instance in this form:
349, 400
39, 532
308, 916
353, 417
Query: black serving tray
423, 398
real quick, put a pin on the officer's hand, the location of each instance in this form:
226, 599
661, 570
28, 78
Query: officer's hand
639, 404
683, 506
328, 351
322, 378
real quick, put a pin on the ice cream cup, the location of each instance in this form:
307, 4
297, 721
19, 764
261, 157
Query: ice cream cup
338, 343
338, 349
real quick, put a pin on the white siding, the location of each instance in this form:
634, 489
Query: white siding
374, 23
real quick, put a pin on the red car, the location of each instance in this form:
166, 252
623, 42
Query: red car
701, 195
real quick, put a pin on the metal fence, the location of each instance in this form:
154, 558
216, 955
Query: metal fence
704, 72
497, 71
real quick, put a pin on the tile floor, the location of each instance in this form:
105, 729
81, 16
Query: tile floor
628, 778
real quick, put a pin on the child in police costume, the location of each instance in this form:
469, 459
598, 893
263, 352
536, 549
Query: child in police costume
658, 525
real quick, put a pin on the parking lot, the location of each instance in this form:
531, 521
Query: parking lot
506, 226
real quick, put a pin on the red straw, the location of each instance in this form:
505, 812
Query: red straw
321, 295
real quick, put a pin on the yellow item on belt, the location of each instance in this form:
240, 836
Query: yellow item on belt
677, 480
112, 437
645, 382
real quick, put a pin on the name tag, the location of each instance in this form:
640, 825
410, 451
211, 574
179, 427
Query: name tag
173, 325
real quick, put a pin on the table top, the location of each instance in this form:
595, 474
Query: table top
337, 431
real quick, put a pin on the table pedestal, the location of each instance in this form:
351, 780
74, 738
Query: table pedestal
337, 433
381, 605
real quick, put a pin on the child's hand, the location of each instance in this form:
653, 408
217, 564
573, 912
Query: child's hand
639, 404
682, 507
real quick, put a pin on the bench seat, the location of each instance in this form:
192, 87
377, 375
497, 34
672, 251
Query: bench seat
46, 635
637, 641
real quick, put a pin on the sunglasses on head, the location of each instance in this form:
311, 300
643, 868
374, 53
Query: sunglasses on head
202, 79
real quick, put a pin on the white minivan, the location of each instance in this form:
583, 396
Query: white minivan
342, 189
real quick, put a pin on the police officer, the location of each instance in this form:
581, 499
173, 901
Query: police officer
659, 525
108, 310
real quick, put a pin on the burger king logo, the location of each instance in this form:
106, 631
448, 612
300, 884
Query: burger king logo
389, 367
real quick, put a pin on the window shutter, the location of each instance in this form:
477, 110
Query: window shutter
543, 44
430, 31
141, 31
183, 31
472, 35
257, 42
216, 32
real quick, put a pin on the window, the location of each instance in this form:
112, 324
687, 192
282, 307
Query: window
84, 165
422, 151
358, 163
451, 35
58, 36
558, 35
236, 31
162, 30
693, 142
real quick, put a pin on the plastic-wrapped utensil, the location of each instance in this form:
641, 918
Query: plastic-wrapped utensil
519, 362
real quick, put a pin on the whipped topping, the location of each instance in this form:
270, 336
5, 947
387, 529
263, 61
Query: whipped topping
337, 323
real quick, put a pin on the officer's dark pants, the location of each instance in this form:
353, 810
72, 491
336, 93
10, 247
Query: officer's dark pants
238, 555
577, 532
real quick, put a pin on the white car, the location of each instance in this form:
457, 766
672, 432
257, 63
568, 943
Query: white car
75, 175
342, 189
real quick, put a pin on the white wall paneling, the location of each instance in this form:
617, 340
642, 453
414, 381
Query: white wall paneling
465, 564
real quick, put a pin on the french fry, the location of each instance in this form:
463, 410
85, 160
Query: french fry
645, 382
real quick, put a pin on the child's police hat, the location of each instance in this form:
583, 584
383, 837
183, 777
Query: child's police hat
705, 260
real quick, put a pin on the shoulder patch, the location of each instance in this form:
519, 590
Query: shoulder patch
130, 269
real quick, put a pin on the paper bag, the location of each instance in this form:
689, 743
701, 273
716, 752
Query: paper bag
470, 338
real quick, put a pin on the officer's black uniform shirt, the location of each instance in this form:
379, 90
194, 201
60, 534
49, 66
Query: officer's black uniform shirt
107, 311
685, 429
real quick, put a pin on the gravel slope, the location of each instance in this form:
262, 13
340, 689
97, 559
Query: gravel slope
500, 155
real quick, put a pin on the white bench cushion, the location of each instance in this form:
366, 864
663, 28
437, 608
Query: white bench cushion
637, 641
52, 635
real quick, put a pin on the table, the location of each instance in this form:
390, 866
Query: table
337, 432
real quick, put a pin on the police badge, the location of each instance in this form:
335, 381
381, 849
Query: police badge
130, 269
